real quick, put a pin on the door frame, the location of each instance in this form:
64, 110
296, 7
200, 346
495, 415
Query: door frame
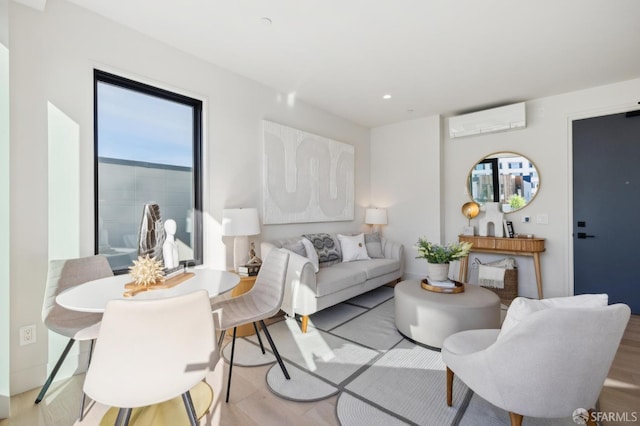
591, 113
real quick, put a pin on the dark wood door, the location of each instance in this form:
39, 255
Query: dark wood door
606, 207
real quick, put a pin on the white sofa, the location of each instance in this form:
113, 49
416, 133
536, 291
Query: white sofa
309, 291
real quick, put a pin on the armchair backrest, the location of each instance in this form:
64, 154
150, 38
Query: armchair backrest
557, 359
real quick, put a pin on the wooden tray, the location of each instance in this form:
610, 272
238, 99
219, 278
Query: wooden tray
459, 287
133, 288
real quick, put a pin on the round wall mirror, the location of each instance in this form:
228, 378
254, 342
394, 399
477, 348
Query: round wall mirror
507, 178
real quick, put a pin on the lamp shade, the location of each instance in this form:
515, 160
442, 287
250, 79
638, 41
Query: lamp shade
375, 217
240, 222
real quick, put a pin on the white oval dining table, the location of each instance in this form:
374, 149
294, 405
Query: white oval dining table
93, 296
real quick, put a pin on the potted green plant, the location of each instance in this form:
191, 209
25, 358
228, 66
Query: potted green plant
439, 256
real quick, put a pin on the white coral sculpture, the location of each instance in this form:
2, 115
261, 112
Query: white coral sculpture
146, 271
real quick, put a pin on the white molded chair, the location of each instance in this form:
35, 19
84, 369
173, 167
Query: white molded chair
151, 351
262, 301
554, 361
80, 326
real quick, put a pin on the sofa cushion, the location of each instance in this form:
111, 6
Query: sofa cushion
297, 247
353, 247
377, 267
338, 277
374, 245
327, 248
311, 254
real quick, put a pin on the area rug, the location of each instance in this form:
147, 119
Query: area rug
381, 377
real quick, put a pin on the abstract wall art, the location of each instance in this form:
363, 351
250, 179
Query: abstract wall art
307, 178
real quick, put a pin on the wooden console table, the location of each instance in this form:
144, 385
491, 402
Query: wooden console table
512, 246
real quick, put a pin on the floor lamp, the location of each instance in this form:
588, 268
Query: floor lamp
240, 223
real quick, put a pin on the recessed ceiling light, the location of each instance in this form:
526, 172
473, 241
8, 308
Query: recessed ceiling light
266, 21
387, 96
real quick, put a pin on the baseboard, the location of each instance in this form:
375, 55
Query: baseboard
4, 407
34, 377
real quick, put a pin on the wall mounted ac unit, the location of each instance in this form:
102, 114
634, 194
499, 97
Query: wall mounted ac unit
499, 119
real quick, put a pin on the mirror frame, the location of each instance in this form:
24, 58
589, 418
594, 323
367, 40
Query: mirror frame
494, 156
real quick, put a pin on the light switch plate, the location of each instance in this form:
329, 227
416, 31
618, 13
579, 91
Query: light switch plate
542, 219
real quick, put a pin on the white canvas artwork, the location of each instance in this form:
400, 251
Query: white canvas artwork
307, 178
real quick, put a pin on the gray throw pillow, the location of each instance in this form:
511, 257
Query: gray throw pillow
327, 248
374, 245
297, 248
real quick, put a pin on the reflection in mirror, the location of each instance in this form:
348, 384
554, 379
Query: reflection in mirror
504, 177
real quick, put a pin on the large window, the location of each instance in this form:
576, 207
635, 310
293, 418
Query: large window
148, 145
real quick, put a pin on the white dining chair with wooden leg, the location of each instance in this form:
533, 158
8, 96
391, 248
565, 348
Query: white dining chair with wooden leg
77, 326
262, 301
150, 352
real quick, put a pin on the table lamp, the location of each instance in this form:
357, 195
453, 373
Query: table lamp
375, 217
240, 223
470, 210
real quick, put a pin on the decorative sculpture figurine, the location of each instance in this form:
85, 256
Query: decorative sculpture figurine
170, 248
151, 237
491, 223
146, 271
253, 259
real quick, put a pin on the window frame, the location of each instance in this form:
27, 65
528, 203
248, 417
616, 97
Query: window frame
100, 76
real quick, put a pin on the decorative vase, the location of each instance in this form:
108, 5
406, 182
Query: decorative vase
437, 271
491, 224
151, 234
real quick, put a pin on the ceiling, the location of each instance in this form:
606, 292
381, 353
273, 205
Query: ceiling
432, 56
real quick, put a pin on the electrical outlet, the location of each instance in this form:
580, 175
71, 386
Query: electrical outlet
27, 334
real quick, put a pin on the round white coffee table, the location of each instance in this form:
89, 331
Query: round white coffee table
428, 317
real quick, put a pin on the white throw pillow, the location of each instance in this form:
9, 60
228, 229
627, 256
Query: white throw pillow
522, 307
312, 255
353, 247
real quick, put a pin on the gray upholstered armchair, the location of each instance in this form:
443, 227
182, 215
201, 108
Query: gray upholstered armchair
553, 362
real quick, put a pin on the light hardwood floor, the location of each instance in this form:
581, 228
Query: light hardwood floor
253, 404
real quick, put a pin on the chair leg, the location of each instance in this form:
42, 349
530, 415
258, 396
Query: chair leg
124, 415
46, 385
259, 338
191, 410
305, 323
449, 387
516, 419
222, 334
275, 351
233, 348
84, 396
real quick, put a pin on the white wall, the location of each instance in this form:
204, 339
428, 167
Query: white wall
547, 142
53, 56
4, 209
404, 173
406, 179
